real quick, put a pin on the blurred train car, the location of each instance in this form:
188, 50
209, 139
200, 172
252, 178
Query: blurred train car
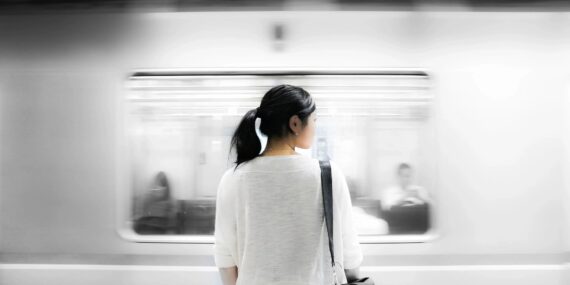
115, 130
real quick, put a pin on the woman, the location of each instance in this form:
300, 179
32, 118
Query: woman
159, 212
269, 226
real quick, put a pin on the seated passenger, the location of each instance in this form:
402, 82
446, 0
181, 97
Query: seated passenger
159, 211
404, 193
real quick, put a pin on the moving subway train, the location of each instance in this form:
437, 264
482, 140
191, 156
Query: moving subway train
450, 123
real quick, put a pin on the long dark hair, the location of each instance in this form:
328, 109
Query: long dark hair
276, 108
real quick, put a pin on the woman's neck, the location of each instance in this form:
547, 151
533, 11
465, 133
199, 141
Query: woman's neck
282, 147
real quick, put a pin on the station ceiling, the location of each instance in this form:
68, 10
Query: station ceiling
127, 6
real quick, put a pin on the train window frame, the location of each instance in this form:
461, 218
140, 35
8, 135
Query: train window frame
124, 193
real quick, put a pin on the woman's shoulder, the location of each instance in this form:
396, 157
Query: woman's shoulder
337, 175
336, 169
229, 178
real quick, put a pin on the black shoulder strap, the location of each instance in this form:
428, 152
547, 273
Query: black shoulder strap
326, 182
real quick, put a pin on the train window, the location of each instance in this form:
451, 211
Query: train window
376, 124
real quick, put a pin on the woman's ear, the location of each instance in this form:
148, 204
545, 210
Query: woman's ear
295, 123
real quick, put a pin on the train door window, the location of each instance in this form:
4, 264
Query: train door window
376, 124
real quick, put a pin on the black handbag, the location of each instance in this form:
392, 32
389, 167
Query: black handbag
326, 182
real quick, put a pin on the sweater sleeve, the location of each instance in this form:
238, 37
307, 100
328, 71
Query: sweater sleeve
352, 252
225, 229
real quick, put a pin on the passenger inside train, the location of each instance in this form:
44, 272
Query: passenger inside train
405, 206
159, 209
404, 193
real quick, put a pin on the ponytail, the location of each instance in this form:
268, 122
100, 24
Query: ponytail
245, 138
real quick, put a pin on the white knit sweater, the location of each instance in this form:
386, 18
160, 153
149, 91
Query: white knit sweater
270, 224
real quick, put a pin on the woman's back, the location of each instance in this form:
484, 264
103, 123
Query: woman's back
270, 224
